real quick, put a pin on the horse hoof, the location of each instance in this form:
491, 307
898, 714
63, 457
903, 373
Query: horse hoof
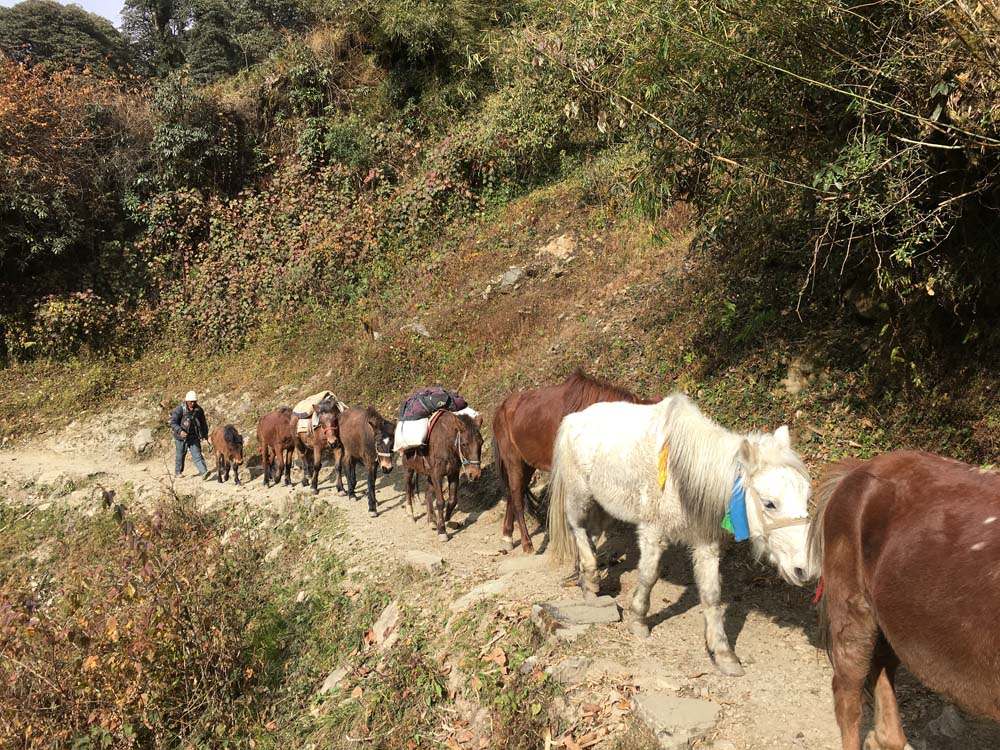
442, 537
639, 628
728, 664
373, 514
528, 549
507, 544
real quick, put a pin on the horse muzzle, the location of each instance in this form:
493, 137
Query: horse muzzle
472, 472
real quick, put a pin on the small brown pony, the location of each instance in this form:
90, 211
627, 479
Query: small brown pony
228, 445
454, 448
367, 438
909, 544
309, 445
276, 439
524, 430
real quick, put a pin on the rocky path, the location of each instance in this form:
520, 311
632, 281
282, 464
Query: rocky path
783, 701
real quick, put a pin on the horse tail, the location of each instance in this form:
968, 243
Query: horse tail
562, 543
827, 486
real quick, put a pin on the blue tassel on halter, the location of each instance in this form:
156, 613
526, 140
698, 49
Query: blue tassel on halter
736, 515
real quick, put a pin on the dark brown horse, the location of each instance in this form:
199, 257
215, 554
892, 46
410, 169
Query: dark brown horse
524, 430
367, 438
228, 445
276, 439
311, 443
909, 544
454, 448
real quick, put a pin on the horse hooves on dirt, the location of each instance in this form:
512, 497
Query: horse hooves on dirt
728, 664
373, 514
507, 543
442, 537
639, 628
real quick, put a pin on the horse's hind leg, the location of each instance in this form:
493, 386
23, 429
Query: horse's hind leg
709, 581
523, 481
852, 639
650, 552
887, 734
590, 582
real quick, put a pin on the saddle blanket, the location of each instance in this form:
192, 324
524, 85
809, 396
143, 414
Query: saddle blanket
412, 433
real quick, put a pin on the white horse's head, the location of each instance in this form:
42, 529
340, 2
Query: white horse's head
777, 498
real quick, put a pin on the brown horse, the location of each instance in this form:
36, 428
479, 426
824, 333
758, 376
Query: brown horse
228, 445
310, 444
276, 439
910, 553
454, 448
524, 430
367, 438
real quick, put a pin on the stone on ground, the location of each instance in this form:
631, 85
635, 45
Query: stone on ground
385, 631
522, 564
602, 610
675, 721
483, 591
333, 679
569, 671
423, 561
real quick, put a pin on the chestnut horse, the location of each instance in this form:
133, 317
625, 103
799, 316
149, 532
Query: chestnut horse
228, 445
367, 438
524, 430
910, 553
454, 448
276, 439
310, 444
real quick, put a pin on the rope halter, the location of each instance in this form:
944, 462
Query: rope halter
766, 525
461, 456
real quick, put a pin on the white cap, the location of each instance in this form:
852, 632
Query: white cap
191, 396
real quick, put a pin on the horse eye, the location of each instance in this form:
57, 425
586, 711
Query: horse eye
769, 504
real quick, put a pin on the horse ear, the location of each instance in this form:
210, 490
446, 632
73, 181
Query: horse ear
783, 436
478, 420
748, 453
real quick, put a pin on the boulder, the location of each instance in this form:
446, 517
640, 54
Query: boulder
142, 441
483, 591
602, 610
569, 671
385, 631
510, 278
333, 679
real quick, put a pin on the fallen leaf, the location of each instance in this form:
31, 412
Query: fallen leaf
356, 693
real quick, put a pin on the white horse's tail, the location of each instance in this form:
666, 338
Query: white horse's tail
562, 543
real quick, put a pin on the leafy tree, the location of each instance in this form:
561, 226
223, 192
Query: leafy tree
56, 37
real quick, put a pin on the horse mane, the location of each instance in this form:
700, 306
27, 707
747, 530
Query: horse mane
327, 406
702, 458
582, 390
231, 436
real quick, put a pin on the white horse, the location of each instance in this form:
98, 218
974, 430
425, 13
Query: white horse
672, 471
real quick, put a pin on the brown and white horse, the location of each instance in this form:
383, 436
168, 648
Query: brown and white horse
524, 430
909, 544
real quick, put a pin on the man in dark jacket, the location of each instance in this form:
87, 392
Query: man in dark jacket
190, 427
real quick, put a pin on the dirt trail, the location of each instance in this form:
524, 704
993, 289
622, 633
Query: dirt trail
783, 701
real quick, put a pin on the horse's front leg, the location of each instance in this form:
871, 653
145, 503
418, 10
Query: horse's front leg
650, 552
372, 507
453, 482
408, 483
218, 466
709, 582
316, 465
352, 479
438, 483
236, 474
286, 466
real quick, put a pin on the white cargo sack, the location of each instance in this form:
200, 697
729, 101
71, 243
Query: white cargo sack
412, 433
